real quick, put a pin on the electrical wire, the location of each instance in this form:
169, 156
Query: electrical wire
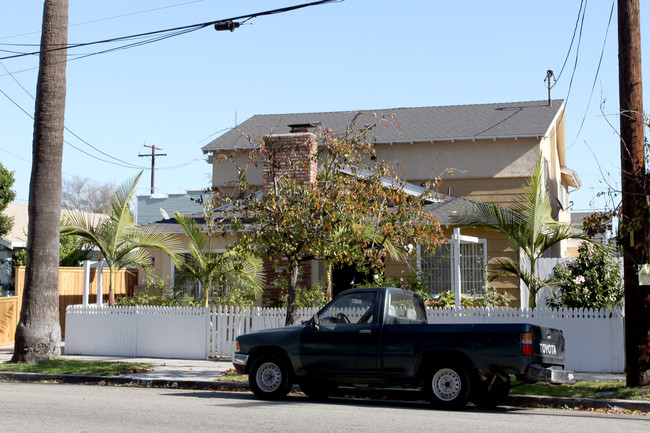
575, 30
158, 35
102, 19
575, 64
593, 86
122, 162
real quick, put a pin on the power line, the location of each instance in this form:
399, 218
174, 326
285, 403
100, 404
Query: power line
593, 86
575, 29
122, 163
159, 35
103, 19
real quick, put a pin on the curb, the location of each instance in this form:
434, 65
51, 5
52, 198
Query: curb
516, 400
121, 380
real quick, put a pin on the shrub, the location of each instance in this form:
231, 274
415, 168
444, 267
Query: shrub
593, 280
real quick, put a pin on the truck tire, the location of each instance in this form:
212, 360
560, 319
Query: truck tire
494, 396
318, 389
448, 386
269, 378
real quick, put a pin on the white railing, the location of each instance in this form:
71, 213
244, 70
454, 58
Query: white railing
594, 338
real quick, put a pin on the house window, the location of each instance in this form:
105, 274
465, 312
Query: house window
181, 285
437, 269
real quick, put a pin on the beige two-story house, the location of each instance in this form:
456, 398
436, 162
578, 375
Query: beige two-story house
485, 150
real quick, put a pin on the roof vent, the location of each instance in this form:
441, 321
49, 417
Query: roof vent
302, 127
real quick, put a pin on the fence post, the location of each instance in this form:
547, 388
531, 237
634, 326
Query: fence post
86, 289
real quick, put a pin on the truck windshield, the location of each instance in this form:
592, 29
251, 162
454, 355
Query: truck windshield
405, 308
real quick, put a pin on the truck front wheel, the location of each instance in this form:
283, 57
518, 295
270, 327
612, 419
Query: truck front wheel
269, 378
448, 386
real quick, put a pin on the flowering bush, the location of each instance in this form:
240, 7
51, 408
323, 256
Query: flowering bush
593, 280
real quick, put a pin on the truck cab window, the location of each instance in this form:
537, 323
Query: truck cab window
352, 309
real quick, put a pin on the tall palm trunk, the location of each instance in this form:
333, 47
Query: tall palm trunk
38, 334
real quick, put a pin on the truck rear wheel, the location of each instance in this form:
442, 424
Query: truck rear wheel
269, 378
448, 386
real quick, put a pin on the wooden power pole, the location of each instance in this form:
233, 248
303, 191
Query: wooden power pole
153, 156
634, 221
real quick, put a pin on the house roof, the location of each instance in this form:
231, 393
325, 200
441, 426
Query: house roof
17, 236
454, 122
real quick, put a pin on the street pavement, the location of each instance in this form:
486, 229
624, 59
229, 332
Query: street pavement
205, 374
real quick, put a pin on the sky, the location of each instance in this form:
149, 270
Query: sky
180, 93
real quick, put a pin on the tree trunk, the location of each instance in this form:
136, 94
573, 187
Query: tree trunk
111, 284
38, 334
534, 287
330, 284
294, 269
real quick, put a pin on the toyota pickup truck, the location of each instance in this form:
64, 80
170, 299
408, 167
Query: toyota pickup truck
377, 337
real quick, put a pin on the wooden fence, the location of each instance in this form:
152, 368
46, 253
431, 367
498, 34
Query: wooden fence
71, 280
594, 338
8, 319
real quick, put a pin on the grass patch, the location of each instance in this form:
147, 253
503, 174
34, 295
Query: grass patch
614, 389
75, 366
232, 376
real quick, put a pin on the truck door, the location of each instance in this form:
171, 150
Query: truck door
346, 341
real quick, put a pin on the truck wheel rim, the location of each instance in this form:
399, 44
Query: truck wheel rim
269, 377
446, 384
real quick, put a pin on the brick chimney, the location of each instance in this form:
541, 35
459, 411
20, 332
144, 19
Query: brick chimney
294, 155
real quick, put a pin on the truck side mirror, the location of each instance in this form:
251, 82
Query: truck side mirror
315, 322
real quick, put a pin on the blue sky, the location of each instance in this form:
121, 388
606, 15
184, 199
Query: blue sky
179, 93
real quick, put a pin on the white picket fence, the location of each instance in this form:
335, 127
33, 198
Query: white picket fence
594, 338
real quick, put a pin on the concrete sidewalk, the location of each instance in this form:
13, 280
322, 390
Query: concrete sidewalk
181, 370
205, 374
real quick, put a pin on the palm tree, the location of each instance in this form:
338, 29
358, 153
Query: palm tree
213, 269
38, 334
529, 227
119, 240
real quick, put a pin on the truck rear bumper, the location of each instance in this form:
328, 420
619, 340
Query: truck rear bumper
538, 373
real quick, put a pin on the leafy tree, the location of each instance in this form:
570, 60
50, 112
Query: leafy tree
593, 280
356, 212
213, 270
119, 240
84, 195
38, 334
529, 227
6, 196
72, 252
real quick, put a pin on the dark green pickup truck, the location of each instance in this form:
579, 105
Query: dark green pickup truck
380, 337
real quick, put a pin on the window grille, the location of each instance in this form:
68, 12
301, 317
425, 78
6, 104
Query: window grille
183, 286
437, 270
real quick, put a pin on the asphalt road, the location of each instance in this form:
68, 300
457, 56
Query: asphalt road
37, 407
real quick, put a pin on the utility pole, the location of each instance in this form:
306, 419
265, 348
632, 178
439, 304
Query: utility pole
634, 221
153, 161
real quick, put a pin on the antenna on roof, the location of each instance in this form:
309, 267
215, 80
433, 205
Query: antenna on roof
549, 74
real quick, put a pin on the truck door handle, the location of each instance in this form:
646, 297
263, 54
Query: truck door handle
365, 331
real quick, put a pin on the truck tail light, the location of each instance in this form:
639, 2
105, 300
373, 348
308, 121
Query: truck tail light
527, 343
236, 346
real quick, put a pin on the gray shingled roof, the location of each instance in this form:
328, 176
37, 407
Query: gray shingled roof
512, 119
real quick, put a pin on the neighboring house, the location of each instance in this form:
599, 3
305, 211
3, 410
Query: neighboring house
16, 240
608, 237
485, 150
152, 208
